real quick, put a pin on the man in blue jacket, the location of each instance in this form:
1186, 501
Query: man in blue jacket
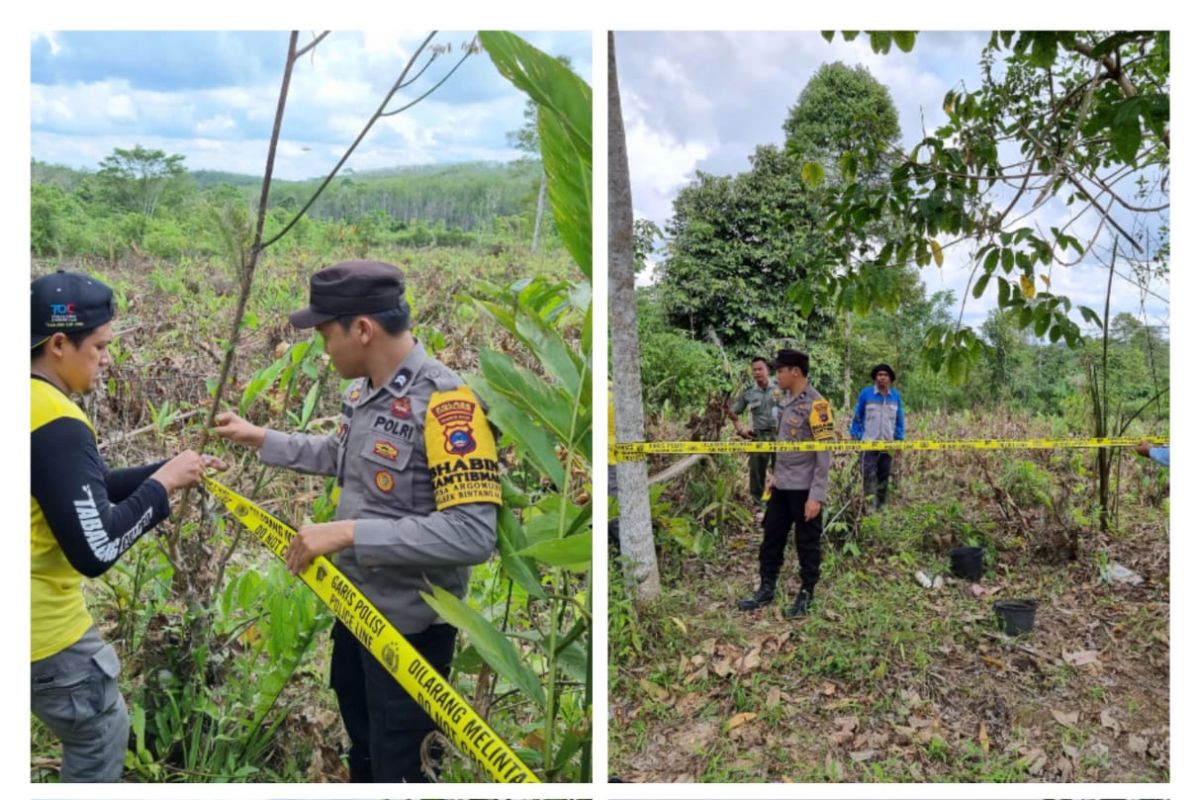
878, 417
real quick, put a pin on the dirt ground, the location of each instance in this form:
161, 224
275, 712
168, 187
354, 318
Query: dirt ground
889, 681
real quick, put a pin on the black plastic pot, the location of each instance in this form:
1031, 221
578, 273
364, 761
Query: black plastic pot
967, 562
1015, 616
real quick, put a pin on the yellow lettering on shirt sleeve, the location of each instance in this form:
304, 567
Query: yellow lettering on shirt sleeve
461, 450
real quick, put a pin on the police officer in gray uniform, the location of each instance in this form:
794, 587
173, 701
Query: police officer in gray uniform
798, 487
760, 398
402, 523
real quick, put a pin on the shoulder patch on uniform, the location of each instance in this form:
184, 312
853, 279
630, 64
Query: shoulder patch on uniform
460, 449
820, 420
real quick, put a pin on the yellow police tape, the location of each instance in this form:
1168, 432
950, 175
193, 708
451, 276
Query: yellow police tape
637, 451
466, 729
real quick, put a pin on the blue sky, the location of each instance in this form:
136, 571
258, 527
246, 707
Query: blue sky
211, 96
703, 100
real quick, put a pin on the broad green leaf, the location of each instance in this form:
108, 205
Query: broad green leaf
1042, 322
1090, 316
491, 644
905, 40
1003, 288
881, 41
989, 263
937, 251
813, 175
564, 103
551, 350
530, 440
510, 539
956, 366
828, 35
310, 403
1127, 130
574, 552
980, 286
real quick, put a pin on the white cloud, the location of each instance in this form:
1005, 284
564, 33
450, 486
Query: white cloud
215, 124
55, 47
659, 165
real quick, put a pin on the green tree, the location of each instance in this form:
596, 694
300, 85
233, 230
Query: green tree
736, 244
839, 108
1078, 116
139, 179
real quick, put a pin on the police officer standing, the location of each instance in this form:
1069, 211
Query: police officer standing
761, 398
418, 484
798, 486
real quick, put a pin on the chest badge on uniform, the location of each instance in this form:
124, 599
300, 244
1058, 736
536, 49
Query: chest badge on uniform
387, 450
820, 420
402, 408
455, 418
384, 481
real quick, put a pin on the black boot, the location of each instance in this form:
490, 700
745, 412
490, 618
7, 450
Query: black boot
764, 595
799, 606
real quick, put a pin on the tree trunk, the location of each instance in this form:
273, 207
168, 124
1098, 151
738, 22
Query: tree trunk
847, 375
633, 491
541, 206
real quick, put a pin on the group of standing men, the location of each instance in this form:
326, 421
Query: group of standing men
791, 488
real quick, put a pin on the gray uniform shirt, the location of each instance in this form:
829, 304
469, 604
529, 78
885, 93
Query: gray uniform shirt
761, 404
378, 455
801, 470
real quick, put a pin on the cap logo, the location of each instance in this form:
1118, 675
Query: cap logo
63, 314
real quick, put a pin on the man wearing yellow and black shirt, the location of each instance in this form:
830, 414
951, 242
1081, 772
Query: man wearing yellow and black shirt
83, 517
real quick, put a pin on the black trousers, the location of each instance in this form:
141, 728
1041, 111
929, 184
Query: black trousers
877, 468
385, 725
785, 509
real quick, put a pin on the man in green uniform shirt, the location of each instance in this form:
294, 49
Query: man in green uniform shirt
761, 398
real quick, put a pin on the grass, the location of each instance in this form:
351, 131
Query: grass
886, 681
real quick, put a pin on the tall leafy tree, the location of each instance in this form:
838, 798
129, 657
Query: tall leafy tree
736, 244
137, 179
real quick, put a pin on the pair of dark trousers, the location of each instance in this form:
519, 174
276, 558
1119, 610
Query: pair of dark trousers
877, 468
385, 725
759, 464
785, 509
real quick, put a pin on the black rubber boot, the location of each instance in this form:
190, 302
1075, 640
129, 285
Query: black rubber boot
799, 606
764, 595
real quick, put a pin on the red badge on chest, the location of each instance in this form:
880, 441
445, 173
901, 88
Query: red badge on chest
402, 408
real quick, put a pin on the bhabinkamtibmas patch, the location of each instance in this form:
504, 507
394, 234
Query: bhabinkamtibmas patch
820, 421
461, 450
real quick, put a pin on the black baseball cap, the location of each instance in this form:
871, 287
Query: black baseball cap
878, 368
348, 289
67, 302
791, 358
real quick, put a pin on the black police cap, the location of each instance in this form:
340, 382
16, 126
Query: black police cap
348, 289
791, 358
67, 302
